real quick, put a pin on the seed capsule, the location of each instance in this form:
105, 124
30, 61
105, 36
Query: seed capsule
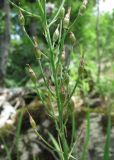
72, 38
38, 52
62, 12
67, 19
63, 56
56, 34
83, 7
21, 19
32, 122
63, 94
32, 74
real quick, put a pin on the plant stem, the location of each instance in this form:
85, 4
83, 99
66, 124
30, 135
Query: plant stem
55, 17
23, 10
57, 88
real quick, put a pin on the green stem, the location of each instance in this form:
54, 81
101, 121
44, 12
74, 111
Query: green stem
75, 86
27, 35
23, 10
43, 140
56, 16
38, 94
41, 11
59, 104
54, 74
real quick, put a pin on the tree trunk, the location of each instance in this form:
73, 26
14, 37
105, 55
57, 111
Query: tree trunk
4, 41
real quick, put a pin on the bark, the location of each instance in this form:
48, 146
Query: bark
4, 42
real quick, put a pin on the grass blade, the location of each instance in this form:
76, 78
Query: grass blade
6, 149
56, 145
18, 132
85, 148
107, 143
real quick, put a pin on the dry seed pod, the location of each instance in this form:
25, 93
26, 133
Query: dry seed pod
32, 74
63, 57
21, 18
38, 52
56, 34
72, 38
67, 19
63, 93
85, 2
32, 122
83, 7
